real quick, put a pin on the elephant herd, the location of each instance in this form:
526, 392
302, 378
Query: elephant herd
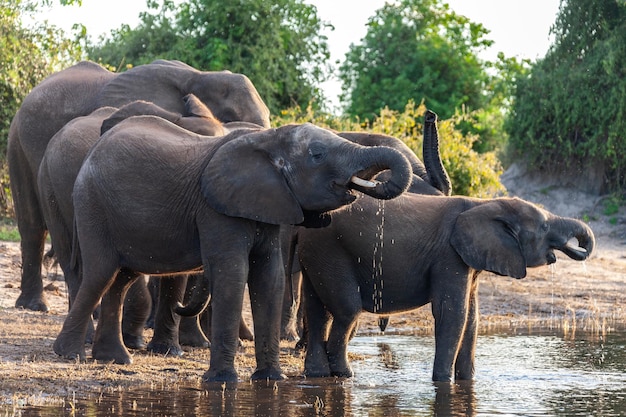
168, 171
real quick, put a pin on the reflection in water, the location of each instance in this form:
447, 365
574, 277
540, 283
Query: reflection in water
455, 399
515, 375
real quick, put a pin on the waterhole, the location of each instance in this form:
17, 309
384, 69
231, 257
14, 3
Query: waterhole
534, 374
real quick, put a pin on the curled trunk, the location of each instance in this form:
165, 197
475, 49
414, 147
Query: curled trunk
376, 159
575, 229
199, 300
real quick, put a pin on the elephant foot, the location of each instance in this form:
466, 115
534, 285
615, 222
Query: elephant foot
344, 373
340, 368
166, 349
133, 341
116, 354
190, 333
194, 340
271, 374
36, 302
311, 372
244, 331
224, 375
67, 348
289, 334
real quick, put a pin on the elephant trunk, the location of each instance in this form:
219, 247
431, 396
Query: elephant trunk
376, 159
437, 174
582, 233
199, 300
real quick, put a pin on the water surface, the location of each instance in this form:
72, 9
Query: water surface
516, 375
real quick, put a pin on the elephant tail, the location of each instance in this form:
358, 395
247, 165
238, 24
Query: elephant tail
75, 247
200, 298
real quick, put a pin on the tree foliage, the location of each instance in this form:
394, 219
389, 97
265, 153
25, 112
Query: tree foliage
570, 109
277, 44
419, 50
27, 55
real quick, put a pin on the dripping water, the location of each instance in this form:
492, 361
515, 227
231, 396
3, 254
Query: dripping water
552, 268
377, 259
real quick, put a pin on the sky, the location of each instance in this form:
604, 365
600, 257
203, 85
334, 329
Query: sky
519, 28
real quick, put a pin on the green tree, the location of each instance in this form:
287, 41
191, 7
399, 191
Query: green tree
419, 50
27, 55
570, 109
277, 44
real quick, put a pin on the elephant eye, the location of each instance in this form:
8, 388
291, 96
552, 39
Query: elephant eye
545, 227
317, 155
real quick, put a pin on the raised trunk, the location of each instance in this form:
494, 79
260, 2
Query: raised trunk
437, 175
375, 159
575, 229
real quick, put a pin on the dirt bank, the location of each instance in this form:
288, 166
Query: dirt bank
570, 296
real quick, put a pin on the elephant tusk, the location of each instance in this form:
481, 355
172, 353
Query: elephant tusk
363, 183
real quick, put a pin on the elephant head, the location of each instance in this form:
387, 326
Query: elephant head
505, 236
230, 96
324, 162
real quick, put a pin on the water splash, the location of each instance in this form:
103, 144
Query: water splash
377, 259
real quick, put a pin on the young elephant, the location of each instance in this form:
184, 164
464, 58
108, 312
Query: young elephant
431, 249
156, 199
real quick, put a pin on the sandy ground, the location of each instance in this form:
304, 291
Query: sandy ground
568, 296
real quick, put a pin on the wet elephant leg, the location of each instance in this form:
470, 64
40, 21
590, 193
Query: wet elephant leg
317, 322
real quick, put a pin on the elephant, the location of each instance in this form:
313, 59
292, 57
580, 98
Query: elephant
78, 91
153, 198
429, 177
432, 250
58, 171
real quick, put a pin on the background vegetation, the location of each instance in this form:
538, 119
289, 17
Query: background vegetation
567, 109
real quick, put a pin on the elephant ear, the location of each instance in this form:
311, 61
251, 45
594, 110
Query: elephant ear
486, 239
244, 179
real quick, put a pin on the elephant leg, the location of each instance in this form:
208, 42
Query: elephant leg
166, 321
137, 307
317, 321
266, 286
153, 289
189, 331
341, 332
450, 310
32, 228
32, 244
205, 319
464, 366
108, 345
226, 304
289, 322
70, 343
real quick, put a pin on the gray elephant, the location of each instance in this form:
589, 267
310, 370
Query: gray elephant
78, 91
58, 171
430, 250
152, 198
429, 177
